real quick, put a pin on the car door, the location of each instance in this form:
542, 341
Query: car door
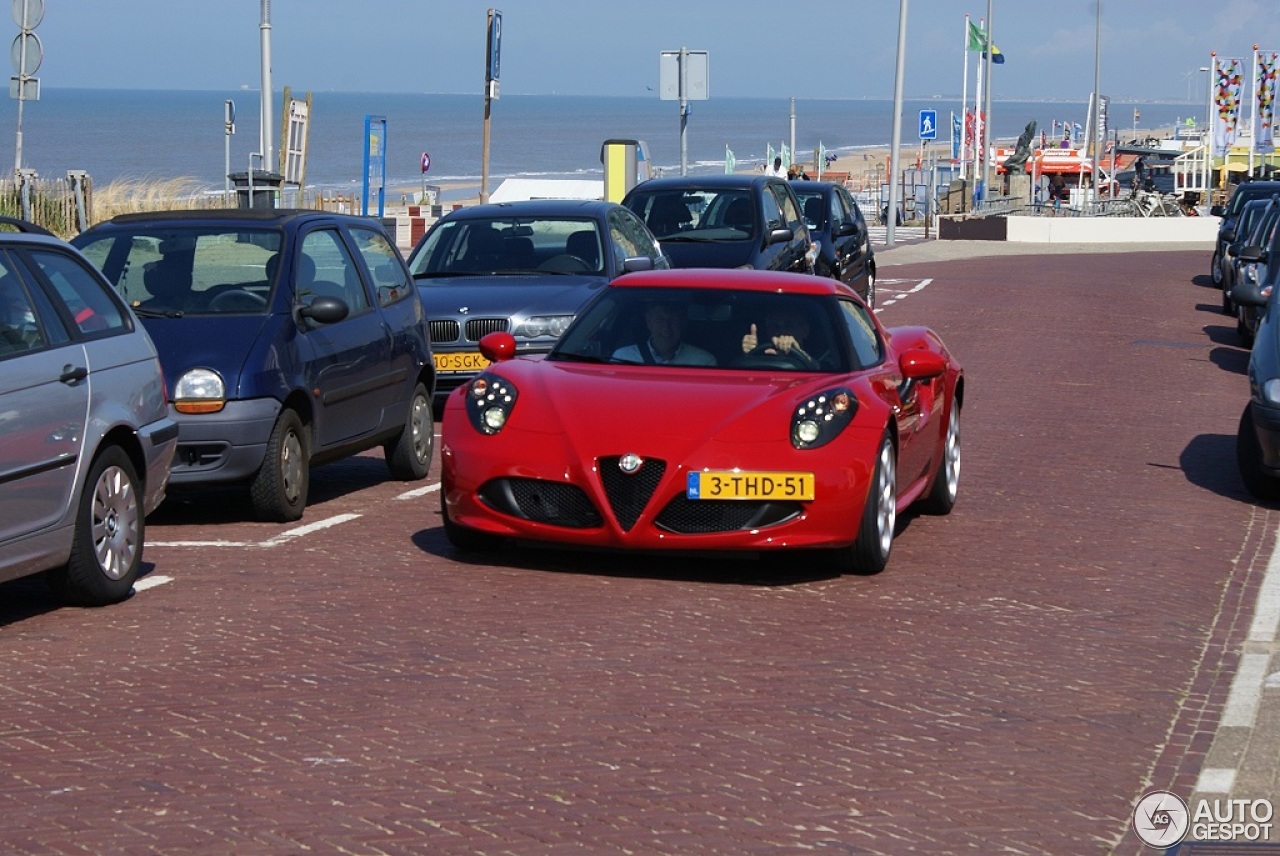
347, 364
850, 235
44, 403
782, 211
403, 317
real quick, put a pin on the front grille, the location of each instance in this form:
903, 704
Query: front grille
692, 516
444, 332
478, 328
556, 503
628, 494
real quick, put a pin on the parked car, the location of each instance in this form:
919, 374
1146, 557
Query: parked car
795, 421
1251, 216
288, 339
524, 267
837, 226
1250, 266
1228, 214
88, 439
725, 221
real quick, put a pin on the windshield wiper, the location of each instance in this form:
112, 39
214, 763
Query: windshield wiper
433, 274
157, 313
570, 357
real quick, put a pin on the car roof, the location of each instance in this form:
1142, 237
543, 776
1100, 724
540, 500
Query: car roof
733, 279
534, 208
736, 181
267, 217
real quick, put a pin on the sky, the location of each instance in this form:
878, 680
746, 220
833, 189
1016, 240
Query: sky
1150, 51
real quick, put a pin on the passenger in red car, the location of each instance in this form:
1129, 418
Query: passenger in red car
665, 345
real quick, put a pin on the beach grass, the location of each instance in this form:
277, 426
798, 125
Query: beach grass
131, 196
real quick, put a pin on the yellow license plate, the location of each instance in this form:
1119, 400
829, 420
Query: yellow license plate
468, 361
733, 484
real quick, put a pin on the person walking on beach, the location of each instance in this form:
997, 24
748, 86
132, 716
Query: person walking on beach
776, 169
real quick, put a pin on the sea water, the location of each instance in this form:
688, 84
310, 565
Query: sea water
160, 135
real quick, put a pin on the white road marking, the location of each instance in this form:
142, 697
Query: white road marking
274, 541
151, 582
883, 285
420, 491
308, 529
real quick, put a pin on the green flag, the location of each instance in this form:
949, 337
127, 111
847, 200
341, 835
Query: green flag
729, 161
977, 37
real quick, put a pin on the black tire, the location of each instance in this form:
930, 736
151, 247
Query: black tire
409, 455
106, 549
870, 551
1242, 327
467, 539
279, 490
946, 484
1215, 268
1249, 460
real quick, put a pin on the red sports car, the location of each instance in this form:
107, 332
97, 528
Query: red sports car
724, 410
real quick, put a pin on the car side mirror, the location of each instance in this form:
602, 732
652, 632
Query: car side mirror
325, 310
919, 364
1217, 211
1229, 236
1247, 294
781, 236
1252, 254
632, 264
498, 346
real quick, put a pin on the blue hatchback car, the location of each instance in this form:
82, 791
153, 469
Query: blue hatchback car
287, 339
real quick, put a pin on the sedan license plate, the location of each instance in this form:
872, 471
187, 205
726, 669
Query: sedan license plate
735, 484
460, 361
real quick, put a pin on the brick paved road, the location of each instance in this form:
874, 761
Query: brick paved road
1020, 674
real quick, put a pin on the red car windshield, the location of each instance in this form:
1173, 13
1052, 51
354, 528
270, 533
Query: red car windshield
706, 328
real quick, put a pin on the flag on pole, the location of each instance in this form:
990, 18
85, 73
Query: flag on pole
1264, 140
977, 37
729, 161
956, 135
1226, 104
785, 154
978, 42
768, 156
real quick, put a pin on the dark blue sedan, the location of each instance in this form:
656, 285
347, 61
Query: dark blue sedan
837, 226
287, 339
522, 267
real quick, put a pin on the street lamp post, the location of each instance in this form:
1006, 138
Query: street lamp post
894, 166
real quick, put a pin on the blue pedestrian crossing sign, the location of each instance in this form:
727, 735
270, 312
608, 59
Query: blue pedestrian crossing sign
928, 124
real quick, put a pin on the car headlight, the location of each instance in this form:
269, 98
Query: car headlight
1271, 392
542, 326
199, 391
490, 400
819, 419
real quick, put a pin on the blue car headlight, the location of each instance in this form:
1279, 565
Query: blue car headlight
490, 400
819, 419
542, 326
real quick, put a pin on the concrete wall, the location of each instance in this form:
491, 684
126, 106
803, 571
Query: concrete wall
1111, 230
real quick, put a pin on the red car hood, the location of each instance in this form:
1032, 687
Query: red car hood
604, 410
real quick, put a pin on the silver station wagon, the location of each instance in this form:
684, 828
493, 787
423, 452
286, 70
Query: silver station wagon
87, 440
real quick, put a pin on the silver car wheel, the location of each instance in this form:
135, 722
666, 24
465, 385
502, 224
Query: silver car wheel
886, 498
292, 466
116, 530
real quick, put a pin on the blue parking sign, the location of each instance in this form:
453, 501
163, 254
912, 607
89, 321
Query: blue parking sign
928, 124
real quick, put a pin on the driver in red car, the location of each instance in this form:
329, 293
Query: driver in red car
785, 332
